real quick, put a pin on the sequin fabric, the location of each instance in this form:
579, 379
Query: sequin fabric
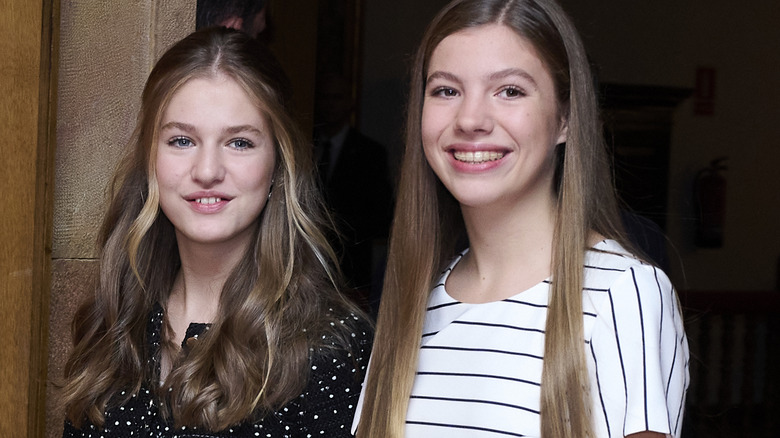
324, 409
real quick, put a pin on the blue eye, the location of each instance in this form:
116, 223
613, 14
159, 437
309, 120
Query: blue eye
180, 142
241, 143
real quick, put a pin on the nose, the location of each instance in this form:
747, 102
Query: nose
208, 167
474, 115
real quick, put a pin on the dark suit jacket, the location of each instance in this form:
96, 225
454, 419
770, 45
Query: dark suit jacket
360, 195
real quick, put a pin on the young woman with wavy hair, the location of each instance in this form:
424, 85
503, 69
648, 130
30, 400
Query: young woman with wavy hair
217, 311
544, 324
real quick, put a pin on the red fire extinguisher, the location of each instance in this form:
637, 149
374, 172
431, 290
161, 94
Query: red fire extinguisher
710, 203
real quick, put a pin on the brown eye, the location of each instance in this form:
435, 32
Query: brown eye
512, 92
444, 92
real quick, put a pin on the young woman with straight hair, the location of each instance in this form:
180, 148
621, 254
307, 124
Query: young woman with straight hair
545, 323
217, 311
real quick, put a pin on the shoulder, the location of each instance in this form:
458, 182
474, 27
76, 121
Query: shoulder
349, 341
636, 345
608, 255
608, 262
618, 282
337, 368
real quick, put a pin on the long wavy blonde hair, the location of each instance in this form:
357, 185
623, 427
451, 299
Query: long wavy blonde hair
428, 225
276, 304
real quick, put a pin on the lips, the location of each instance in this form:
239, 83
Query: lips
207, 197
208, 202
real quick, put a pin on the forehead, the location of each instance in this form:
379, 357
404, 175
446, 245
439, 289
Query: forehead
213, 98
484, 48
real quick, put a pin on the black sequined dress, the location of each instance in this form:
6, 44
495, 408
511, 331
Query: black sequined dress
324, 409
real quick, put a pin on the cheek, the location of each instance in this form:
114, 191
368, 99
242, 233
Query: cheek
168, 172
429, 146
432, 127
430, 123
536, 127
167, 188
257, 174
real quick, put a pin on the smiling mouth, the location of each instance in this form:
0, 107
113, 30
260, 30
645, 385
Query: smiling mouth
478, 156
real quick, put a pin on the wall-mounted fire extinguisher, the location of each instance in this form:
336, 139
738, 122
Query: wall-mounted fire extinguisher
710, 203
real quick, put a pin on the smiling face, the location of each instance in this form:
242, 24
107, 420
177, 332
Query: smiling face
490, 119
215, 161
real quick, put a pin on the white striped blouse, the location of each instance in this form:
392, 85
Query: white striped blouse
480, 365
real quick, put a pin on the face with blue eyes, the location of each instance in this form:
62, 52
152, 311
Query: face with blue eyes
490, 120
214, 163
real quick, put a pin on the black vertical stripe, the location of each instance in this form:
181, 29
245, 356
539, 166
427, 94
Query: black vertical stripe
661, 298
671, 371
620, 350
601, 395
644, 347
682, 402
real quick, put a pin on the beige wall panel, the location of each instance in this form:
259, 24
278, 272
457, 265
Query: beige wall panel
72, 282
174, 20
107, 50
104, 58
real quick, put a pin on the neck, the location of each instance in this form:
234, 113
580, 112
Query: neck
510, 251
198, 286
193, 300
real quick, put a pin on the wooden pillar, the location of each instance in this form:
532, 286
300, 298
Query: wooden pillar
26, 174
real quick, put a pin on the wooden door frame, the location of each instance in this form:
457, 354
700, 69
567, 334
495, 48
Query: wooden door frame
44, 208
23, 391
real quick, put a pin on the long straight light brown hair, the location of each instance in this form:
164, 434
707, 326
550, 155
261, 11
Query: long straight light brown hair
428, 225
278, 303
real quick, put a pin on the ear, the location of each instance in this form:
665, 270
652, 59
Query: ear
233, 23
563, 131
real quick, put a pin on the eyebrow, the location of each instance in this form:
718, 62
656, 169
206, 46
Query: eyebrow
501, 74
186, 127
442, 75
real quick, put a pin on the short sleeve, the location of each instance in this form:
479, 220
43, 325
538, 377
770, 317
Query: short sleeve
639, 356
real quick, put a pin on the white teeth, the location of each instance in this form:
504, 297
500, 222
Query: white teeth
208, 200
478, 156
